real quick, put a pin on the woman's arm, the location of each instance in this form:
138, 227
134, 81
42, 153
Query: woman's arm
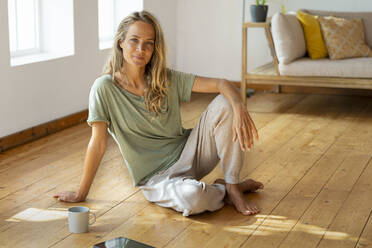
93, 157
244, 129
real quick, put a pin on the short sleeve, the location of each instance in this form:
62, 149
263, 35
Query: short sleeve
183, 82
98, 109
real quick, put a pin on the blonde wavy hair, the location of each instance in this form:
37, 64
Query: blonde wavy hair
156, 83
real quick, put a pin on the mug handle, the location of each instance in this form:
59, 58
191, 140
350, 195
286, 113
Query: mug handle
94, 218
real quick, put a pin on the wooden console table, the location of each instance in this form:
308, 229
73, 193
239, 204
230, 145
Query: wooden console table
245, 75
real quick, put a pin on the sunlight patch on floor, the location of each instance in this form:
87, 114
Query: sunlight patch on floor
271, 224
39, 215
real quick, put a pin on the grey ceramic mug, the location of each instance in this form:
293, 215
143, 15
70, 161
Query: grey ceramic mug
78, 219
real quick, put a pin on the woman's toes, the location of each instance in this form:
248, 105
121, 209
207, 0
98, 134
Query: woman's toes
261, 186
253, 209
246, 212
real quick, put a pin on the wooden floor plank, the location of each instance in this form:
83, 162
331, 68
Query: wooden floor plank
226, 222
188, 118
30, 171
106, 223
359, 137
57, 229
106, 192
47, 179
315, 126
365, 239
292, 206
137, 216
99, 199
271, 167
300, 135
13, 202
309, 230
49, 144
153, 225
353, 215
204, 104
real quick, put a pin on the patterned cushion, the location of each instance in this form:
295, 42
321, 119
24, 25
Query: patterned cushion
365, 16
344, 38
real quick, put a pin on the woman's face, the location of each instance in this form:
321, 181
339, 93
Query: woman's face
138, 45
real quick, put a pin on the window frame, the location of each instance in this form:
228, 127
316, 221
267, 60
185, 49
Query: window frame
110, 38
37, 48
106, 42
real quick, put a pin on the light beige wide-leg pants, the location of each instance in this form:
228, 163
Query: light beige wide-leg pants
210, 141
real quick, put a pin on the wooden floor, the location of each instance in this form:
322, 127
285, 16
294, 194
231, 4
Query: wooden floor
314, 157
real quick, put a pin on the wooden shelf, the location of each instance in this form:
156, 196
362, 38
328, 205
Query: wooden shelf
267, 74
245, 26
255, 24
267, 69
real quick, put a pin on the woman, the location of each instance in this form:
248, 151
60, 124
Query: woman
137, 101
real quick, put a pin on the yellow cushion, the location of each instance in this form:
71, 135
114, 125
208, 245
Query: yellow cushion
344, 37
315, 45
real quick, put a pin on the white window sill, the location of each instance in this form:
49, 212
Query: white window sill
28, 59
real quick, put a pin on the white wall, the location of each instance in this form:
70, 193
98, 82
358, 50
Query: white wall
209, 38
165, 12
333, 5
203, 37
209, 33
36, 93
56, 22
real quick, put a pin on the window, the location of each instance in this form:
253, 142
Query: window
40, 30
23, 27
110, 14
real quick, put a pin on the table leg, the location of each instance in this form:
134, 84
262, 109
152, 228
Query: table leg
243, 86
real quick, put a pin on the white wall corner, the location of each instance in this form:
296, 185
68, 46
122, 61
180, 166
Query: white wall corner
85, 26
4, 41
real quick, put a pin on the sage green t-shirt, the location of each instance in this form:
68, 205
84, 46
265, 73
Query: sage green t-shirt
148, 143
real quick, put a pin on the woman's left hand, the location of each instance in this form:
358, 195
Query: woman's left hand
244, 129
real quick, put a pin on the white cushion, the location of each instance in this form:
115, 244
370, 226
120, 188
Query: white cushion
355, 67
288, 37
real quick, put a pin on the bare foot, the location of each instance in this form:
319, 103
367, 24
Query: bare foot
234, 195
247, 186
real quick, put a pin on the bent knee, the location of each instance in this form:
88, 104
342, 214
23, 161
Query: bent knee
221, 104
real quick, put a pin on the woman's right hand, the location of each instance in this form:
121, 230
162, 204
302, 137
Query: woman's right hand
67, 196
93, 157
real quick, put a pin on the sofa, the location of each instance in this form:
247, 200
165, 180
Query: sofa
292, 66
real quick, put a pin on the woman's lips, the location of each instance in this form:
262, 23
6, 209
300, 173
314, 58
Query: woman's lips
139, 57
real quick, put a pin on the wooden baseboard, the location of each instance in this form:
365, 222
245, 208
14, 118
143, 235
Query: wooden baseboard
42, 130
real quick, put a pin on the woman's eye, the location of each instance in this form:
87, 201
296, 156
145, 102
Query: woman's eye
133, 40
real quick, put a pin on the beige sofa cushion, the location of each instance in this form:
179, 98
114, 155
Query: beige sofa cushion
344, 37
356, 67
365, 16
288, 37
